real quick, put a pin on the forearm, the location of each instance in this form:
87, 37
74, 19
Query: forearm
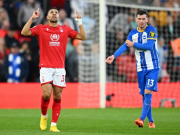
82, 32
26, 29
121, 49
145, 46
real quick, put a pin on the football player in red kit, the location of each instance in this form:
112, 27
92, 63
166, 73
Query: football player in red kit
52, 42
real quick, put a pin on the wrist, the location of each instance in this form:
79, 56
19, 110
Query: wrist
78, 20
32, 18
113, 56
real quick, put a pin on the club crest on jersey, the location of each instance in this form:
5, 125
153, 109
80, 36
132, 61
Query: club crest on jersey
54, 37
61, 29
152, 34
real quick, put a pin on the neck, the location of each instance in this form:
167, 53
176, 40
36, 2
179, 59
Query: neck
141, 28
53, 24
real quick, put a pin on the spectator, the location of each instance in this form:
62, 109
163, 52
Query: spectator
26, 10
3, 16
172, 4
1, 5
4, 28
161, 16
79, 6
69, 49
121, 21
2, 54
113, 43
94, 63
12, 8
170, 31
34, 47
63, 19
25, 51
142, 2
10, 38
162, 51
133, 12
68, 8
58, 3
15, 66
173, 61
152, 21
73, 60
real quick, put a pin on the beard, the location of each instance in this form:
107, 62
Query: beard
55, 21
142, 26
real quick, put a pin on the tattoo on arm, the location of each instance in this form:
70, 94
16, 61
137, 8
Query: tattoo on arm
33, 19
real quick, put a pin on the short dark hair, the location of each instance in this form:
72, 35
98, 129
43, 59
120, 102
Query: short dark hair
142, 12
52, 8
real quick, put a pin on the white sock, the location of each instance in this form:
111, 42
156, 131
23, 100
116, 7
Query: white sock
44, 115
53, 124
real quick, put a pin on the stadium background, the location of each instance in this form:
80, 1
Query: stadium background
83, 58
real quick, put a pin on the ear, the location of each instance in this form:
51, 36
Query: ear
136, 19
147, 19
47, 17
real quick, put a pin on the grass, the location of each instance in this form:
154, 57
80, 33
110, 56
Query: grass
111, 121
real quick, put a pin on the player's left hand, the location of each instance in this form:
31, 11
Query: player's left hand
129, 43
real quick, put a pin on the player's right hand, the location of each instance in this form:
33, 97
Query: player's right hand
36, 14
110, 59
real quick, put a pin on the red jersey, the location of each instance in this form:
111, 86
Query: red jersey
52, 44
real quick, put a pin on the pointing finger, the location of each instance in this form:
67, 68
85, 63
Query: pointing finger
75, 13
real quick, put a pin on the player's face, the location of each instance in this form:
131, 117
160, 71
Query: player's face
53, 16
142, 21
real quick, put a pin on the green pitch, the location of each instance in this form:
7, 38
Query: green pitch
112, 121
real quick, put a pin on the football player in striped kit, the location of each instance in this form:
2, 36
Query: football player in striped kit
144, 40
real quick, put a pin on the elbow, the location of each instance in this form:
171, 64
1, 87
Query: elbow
84, 38
150, 48
22, 33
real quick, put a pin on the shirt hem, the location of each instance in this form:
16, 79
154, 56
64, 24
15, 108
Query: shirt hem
52, 66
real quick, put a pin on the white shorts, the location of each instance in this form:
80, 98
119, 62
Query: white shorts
54, 75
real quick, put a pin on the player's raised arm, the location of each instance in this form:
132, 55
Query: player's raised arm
82, 34
26, 29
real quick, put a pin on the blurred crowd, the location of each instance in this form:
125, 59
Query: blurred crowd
19, 55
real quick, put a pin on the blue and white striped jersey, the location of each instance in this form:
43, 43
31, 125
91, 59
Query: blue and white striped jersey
145, 59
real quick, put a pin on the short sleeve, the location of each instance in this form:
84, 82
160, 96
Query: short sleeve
72, 33
130, 36
152, 33
35, 30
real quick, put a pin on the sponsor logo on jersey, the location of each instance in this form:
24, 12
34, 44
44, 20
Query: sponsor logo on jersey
54, 38
144, 37
152, 34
